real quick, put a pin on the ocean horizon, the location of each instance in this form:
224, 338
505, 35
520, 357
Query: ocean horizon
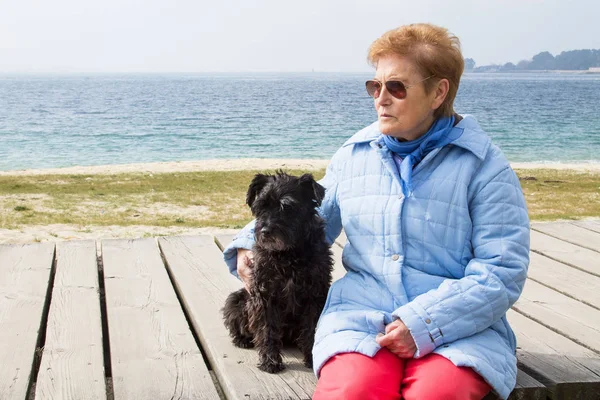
63, 120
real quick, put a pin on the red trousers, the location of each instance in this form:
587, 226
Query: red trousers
350, 376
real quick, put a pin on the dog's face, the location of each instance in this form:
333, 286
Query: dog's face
283, 205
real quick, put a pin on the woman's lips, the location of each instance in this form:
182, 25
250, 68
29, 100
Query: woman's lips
385, 116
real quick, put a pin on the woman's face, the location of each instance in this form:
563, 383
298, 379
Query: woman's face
407, 118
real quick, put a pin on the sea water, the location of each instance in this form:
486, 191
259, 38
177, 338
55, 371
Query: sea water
50, 121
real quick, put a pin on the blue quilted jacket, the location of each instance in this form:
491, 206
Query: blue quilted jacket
449, 260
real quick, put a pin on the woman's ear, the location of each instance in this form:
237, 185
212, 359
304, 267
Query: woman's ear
440, 92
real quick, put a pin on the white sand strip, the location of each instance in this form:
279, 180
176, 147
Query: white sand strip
62, 232
253, 164
241, 164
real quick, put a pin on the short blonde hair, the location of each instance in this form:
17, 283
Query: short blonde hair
432, 49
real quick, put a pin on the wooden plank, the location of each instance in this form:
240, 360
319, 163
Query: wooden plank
153, 352
72, 364
565, 279
527, 388
567, 253
202, 278
570, 233
571, 318
568, 370
24, 277
591, 224
224, 240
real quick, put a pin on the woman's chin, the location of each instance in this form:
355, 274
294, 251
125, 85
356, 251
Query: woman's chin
386, 128
389, 129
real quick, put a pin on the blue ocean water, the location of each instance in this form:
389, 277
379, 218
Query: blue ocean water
59, 120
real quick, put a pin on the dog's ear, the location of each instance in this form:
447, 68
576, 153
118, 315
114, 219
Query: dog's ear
317, 190
257, 184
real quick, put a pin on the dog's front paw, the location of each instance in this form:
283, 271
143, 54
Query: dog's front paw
271, 367
243, 342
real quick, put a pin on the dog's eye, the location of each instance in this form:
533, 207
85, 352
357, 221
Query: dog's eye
286, 205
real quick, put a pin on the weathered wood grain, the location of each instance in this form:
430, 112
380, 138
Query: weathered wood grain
203, 280
72, 364
570, 281
527, 388
585, 259
570, 233
153, 352
24, 277
567, 316
223, 240
566, 368
590, 224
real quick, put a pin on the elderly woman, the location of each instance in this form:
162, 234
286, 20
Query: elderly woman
438, 239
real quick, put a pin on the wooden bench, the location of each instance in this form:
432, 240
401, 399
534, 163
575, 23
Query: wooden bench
140, 319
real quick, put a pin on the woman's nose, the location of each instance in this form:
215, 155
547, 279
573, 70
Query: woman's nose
385, 98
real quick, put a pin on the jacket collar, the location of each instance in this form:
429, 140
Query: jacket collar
473, 138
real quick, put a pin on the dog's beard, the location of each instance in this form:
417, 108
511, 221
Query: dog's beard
274, 242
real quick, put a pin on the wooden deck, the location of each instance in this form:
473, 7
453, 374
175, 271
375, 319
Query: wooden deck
140, 319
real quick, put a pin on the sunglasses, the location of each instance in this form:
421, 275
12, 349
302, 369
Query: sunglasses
395, 88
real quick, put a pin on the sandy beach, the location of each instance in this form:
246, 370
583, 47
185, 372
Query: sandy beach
180, 166
62, 232
59, 232
243, 164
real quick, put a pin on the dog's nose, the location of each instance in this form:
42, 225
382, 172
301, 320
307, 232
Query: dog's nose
265, 230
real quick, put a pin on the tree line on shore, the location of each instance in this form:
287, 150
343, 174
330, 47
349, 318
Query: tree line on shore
580, 60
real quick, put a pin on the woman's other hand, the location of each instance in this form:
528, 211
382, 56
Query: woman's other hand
397, 339
245, 265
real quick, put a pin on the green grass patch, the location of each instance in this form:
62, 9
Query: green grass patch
560, 194
217, 198
187, 199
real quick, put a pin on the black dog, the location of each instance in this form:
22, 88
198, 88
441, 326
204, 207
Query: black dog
291, 271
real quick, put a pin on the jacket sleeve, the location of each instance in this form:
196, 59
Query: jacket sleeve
329, 211
494, 277
243, 240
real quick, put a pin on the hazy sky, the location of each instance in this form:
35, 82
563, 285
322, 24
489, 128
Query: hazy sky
272, 35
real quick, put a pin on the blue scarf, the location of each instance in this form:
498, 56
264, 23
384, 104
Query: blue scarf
412, 152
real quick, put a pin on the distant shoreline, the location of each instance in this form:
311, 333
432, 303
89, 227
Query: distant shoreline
257, 164
537, 71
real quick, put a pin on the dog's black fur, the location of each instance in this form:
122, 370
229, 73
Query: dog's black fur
291, 271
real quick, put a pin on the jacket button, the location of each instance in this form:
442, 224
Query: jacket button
427, 321
395, 257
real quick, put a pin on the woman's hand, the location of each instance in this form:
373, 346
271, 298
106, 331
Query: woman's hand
245, 265
397, 339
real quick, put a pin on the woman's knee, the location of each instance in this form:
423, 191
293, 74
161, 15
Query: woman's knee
436, 378
434, 391
355, 376
358, 389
